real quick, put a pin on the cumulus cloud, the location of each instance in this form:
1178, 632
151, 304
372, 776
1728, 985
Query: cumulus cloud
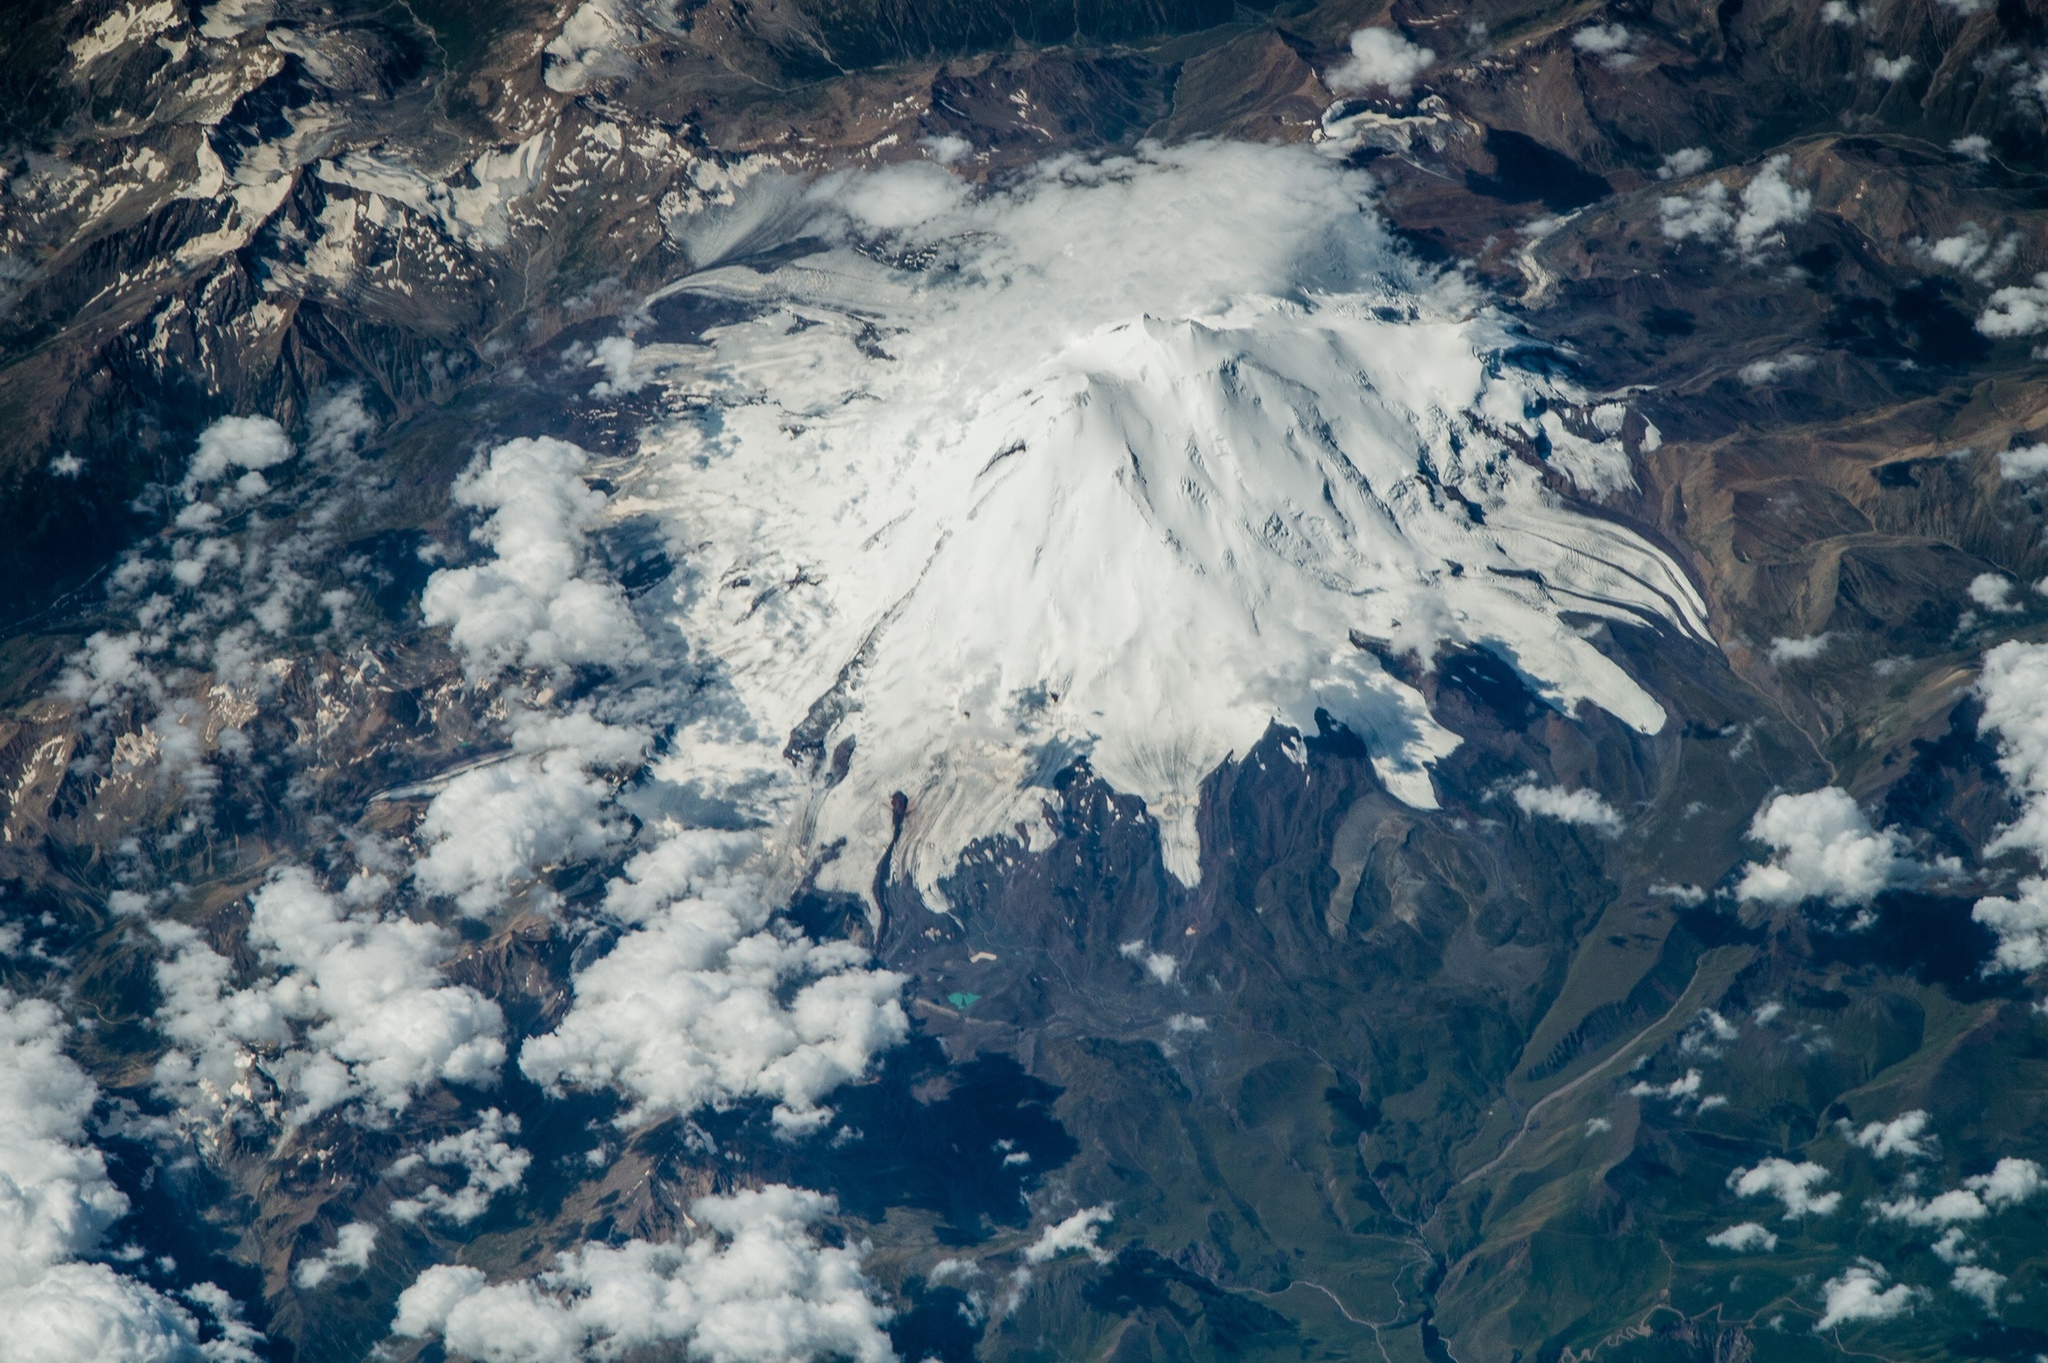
2016, 310
236, 442
1769, 203
2026, 461
1823, 847
615, 355
1681, 1092
1707, 1035
1906, 1135
533, 604
1792, 1184
1612, 43
1890, 69
1381, 58
351, 1249
1759, 372
1970, 251
1979, 1283
756, 1287
1746, 1238
491, 1163
56, 1204
494, 827
1684, 163
2010, 1182
1079, 1233
1858, 1294
1701, 214
2014, 687
357, 1010
1944, 1209
1805, 648
1993, 592
591, 46
1975, 147
1583, 806
1158, 964
710, 1000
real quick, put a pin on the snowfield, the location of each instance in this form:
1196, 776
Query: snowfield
1125, 461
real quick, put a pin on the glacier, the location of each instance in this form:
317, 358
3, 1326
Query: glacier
1123, 460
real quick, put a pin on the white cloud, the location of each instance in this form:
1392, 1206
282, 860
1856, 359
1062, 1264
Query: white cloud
1979, 1283
1680, 1092
1802, 649
1612, 43
358, 1009
1758, 372
1993, 591
1858, 1294
236, 442
688, 1008
1602, 39
533, 604
351, 1249
1970, 252
591, 46
494, 827
338, 423
1975, 147
757, 1288
1582, 806
1944, 1209
2016, 310
1685, 163
1841, 14
1906, 1134
2010, 1182
66, 465
56, 1204
1890, 69
614, 355
1596, 1126
492, 1164
1078, 1233
1823, 846
1708, 1034
1701, 214
903, 513
1746, 1238
2014, 687
1380, 59
1158, 964
2029, 461
1769, 203
1792, 1184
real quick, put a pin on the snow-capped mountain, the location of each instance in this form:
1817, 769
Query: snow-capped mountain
1124, 462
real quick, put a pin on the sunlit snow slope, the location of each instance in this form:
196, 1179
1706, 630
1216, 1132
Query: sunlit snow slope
1113, 463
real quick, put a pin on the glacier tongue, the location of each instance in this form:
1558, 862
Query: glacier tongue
1113, 463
